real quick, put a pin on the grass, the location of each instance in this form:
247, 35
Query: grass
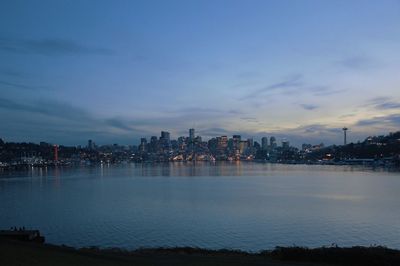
22, 253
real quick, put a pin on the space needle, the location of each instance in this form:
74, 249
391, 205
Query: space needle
345, 135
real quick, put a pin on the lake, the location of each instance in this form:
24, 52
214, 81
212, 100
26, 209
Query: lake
249, 206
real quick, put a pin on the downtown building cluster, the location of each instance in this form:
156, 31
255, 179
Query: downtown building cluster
194, 148
375, 151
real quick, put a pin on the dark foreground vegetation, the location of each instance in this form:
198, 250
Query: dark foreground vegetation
22, 253
374, 255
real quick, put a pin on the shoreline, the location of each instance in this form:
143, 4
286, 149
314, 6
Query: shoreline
360, 163
13, 252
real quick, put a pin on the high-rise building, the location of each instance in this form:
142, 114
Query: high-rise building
55, 153
212, 144
90, 144
251, 142
264, 143
165, 135
272, 142
243, 146
222, 143
285, 144
182, 142
165, 140
153, 147
143, 145
236, 142
191, 134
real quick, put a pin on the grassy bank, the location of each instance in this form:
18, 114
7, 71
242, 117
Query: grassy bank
20, 253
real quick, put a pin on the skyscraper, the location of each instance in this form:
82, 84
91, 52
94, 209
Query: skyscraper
264, 143
90, 144
153, 144
285, 144
165, 140
55, 153
165, 135
143, 144
272, 142
191, 134
222, 143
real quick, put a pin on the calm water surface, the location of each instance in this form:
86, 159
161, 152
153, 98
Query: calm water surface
246, 206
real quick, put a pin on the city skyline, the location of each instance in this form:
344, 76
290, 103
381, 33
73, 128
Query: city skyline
73, 71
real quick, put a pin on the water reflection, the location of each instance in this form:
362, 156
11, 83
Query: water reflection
221, 205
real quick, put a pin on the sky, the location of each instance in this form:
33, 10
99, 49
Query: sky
115, 71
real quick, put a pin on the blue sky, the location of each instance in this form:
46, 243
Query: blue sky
114, 71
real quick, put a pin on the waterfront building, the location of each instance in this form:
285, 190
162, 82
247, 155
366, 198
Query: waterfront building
243, 146
264, 143
222, 143
165, 140
285, 144
272, 142
212, 145
191, 134
90, 144
143, 145
153, 145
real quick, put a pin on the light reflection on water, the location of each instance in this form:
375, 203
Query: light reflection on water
225, 205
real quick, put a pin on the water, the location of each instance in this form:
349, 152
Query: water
247, 206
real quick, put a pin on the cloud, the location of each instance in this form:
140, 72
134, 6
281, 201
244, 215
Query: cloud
290, 85
19, 86
12, 73
118, 123
248, 75
358, 62
49, 47
381, 121
326, 91
61, 122
214, 131
315, 129
192, 110
383, 103
346, 116
49, 108
249, 119
309, 106
287, 84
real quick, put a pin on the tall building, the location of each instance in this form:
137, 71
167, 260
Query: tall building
222, 143
197, 139
272, 142
182, 142
212, 144
90, 144
236, 142
264, 143
191, 134
251, 142
285, 144
153, 144
55, 153
243, 146
165, 140
345, 135
143, 144
165, 135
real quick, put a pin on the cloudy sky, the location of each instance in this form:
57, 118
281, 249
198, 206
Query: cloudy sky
114, 71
